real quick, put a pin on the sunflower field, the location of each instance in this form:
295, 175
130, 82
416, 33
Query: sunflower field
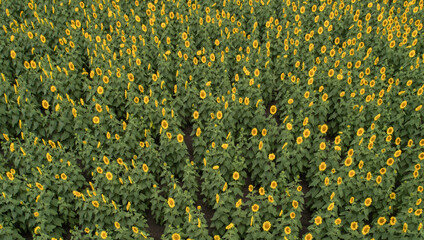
201, 120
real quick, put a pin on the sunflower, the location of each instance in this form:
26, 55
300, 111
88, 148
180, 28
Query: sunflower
368, 201
96, 120
219, 115
171, 202
99, 170
398, 153
45, 104
256, 72
71, 66
273, 184
246, 101
382, 171
331, 72
39, 186
322, 166
348, 161
49, 157
95, 204
13, 54
164, 124
306, 133
100, 90
106, 160
299, 140
63, 176
289, 126
324, 97
308, 236
381, 221
392, 221
324, 128
261, 191
202, 94
180, 138
109, 176
360, 132
366, 229
117, 225
10, 176
338, 221
103, 234
305, 121
295, 204
99, 71
318, 220
255, 44
403, 104
176, 236
330, 207
266, 226
405, 227
415, 173
271, 156
196, 115
326, 181
236, 176
254, 132
145, 167
354, 226
299, 188
369, 176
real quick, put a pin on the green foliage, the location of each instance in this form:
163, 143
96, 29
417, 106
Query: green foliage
282, 116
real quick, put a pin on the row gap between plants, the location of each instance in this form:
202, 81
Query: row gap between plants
306, 212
